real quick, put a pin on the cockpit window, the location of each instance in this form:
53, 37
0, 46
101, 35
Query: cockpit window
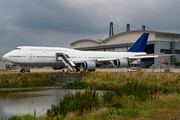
17, 49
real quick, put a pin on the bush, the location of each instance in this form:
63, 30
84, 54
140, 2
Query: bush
171, 89
23, 117
140, 90
107, 96
79, 102
15, 117
129, 94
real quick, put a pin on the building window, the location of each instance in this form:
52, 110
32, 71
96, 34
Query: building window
177, 51
166, 51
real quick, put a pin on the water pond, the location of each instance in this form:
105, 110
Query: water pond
19, 102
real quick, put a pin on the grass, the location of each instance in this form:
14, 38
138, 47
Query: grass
7, 71
109, 80
166, 107
136, 95
129, 96
19, 80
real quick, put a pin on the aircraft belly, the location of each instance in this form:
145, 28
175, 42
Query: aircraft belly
41, 63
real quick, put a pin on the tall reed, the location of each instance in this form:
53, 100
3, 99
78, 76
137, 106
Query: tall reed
79, 102
109, 80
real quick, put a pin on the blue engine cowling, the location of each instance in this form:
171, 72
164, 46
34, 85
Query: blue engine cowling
120, 63
88, 65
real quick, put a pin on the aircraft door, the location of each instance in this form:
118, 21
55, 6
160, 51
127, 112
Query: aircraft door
43, 50
30, 56
85, 56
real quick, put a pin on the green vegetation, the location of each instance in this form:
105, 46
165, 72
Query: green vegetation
176, 62
80, 102
17, 80
23, 117
152, 96
110, 80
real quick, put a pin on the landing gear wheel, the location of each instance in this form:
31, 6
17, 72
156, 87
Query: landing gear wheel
77, 69
22, 70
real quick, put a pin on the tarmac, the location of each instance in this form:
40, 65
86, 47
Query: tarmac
98, 69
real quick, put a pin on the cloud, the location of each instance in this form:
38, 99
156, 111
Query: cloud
60, 22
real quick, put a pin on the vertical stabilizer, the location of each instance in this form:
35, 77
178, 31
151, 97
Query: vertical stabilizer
140, 44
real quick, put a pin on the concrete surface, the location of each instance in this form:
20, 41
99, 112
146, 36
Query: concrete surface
102, 70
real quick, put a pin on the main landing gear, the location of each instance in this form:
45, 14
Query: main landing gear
25, 69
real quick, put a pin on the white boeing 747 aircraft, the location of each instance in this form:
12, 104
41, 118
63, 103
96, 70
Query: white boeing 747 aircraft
60, 58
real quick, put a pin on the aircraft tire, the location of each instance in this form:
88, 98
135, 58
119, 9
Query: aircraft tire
22, 70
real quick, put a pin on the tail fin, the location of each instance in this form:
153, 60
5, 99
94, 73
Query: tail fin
140, 44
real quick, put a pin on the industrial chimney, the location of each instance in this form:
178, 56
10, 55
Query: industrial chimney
128, 27
143, 27
111, 29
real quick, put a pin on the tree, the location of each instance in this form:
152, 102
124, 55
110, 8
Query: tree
176, 62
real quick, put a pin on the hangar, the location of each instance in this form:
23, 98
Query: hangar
158, 42
2, 63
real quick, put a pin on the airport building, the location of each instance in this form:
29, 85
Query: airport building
2, 63
158, 42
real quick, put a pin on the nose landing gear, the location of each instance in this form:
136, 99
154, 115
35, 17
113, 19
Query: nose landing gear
25, 69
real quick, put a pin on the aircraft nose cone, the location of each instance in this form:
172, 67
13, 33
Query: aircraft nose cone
5, 57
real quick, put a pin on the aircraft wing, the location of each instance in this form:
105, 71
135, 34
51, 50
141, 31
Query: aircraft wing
167, 55
136, 57
141, 57
154, 55
99, 60
150, 56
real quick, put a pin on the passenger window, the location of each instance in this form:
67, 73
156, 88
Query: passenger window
17, 48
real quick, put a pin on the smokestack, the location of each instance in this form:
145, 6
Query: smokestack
143, 27
128, 27
111, 29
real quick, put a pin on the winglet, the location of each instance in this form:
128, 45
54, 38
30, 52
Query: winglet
140, 44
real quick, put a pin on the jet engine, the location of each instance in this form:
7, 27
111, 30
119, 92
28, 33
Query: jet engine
120, 63
88, 65
57, 67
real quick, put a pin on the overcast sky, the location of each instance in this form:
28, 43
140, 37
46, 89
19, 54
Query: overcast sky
60, 22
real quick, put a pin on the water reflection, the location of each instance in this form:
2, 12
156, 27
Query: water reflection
19, 102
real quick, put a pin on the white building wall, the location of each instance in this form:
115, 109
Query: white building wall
166, 38
85, 44
117, 39
127, 38
2, 65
